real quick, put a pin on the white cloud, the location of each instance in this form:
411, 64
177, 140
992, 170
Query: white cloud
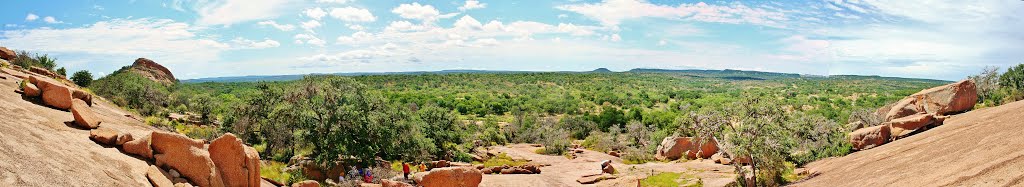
662, 42
106, 45
425, 13
574, 30
309, 39
310, 25
402, 26
487, 42
315, 13
616, 38
282, 27
31, 17
472, 4
228, 12
355, 37
467, 22
613, 12
51, 20
246, 43
352, 14
356, 27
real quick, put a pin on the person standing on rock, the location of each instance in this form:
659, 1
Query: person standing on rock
405, 169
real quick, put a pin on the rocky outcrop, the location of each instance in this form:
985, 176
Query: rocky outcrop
942, 100
7, 54
124, 138
158, 178
237, 164
45, 72
54, 94
450, 176
139, 147
153, 71
105, 136
870, 137
84, 117
82, 95
186, 155
391, 183
904, 126
672, 148
31, 90
306, 183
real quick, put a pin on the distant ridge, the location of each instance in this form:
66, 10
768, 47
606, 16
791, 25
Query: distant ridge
722, 74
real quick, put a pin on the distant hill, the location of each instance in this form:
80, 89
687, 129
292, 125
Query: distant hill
728, 74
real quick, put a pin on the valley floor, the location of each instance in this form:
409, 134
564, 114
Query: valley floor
564, 171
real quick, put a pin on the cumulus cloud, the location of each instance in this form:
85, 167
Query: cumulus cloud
315, 13
424, 13
352, 14
309, 39
250, 44
282, 27
472, 4
31, 17
333, 1
228, 12
310, 25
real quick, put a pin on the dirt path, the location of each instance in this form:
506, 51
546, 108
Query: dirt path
564, 171
37, 148
978, 148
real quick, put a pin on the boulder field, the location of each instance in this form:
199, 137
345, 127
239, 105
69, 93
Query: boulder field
914, 113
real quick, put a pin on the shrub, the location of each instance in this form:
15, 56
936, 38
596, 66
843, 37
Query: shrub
556, 141
62, 72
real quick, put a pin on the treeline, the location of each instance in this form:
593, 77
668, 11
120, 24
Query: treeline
425, 117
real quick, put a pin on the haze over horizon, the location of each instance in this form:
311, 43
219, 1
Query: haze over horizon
945, 40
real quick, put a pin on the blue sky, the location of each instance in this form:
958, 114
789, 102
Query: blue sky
211, 38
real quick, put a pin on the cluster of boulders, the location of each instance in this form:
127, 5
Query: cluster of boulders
449, 176
673, 148
506, 169
65, 97
915, 113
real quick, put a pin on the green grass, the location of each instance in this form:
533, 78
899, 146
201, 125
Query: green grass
501, 160
275, 170
668, 179
789, 175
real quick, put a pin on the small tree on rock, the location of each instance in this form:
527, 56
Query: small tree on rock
82, 78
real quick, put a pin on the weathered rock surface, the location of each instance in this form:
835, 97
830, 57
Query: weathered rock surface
941, 100
139, 147
237, 164
158, 178
450, 176
391, 183
55, 94
124, 138
672, 148
591, 179
186, 155
84, 96
31, 90
306, 183
153, 71
904, 126
105, 136
7, 54
869, 137
84, 116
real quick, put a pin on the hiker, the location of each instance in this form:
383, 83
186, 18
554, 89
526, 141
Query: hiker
405, 169
367, 176
423, 167
353, 174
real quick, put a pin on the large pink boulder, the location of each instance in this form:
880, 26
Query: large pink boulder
84, 117
868, 137
951, 98
31, 90
84, 96
450, 177
904, 126
7, 54
706, 149
238, 165
158, 178
943, 100
106, 136
55, 94
187, 156
140, 146
673, 148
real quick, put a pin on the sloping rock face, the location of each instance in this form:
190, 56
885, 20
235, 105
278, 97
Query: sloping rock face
186, 155
449, 177
156, 72
867, 138
238, 165
978, 148
7, 54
